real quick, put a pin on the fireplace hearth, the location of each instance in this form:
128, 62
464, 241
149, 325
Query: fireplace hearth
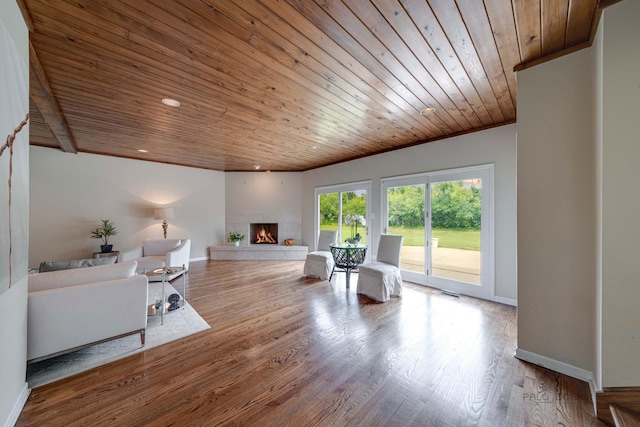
263, 234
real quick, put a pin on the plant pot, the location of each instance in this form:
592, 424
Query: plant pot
106, 248
236, 243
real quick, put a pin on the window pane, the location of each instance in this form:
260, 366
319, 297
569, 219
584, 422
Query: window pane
455, 229
354, 213
329, 211
406, 217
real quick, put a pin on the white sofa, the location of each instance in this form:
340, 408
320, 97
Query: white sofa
70, 309
159, 253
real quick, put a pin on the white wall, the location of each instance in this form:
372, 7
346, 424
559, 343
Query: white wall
598, 54
270, 197
14, 93
578, 171
497, 146
621, 203
70, 193
557, 210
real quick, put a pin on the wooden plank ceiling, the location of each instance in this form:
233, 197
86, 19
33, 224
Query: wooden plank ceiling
289, 85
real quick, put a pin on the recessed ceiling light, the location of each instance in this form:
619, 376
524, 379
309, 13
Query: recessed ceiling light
143, 151
170, 102
427, 111
314, 147
256, 167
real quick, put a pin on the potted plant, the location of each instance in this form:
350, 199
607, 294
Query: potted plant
235, 237
353, 221
105, 230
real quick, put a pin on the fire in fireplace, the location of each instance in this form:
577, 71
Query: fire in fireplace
264, 233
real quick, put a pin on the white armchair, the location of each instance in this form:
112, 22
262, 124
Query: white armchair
381, 279
159, 253
319, 263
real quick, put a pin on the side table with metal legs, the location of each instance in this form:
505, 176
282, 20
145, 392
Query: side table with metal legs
170, 270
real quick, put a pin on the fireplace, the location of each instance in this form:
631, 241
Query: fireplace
263, 233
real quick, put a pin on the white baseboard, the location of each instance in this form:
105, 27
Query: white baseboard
563, 368
507, 301
204, 258
17, 407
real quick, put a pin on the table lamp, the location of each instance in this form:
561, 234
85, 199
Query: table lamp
164, 214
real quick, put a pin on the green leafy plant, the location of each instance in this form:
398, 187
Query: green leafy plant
105, 230
234, 236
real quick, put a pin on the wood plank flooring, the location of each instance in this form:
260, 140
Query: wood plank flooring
284, 350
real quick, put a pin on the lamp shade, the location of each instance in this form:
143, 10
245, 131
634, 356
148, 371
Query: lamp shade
163, 213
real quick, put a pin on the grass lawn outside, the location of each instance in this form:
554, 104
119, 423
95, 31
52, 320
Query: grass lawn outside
458, 239
447, 238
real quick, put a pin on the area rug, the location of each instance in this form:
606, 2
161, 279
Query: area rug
177, 324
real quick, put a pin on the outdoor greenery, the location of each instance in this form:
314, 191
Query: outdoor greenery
453, 205
354, 212
455, 213
447, 238
406, 206
352, 203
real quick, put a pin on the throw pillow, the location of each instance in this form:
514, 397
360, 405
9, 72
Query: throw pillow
79, 263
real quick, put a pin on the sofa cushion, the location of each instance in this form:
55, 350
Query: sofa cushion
79, 263
160, 246
80, 276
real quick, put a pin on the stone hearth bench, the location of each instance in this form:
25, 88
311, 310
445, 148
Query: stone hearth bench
258, 252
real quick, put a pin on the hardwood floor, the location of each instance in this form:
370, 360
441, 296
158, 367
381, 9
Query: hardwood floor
285, 350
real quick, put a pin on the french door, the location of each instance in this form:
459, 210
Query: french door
344, 208
446, 219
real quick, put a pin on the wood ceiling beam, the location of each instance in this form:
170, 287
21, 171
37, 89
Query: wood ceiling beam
551, 57
25, 14
46, 102
603, 4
